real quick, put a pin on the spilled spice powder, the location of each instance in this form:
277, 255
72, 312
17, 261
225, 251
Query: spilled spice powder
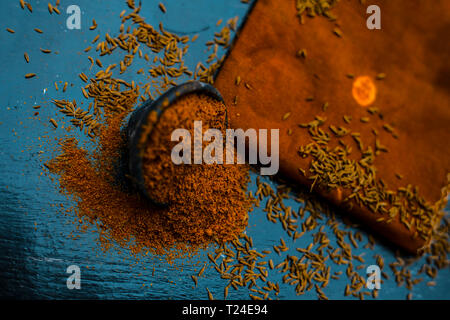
207, 202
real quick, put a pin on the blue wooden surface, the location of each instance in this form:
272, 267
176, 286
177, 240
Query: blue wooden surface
35, 247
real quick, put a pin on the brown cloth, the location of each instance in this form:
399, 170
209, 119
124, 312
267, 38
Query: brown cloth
412, 49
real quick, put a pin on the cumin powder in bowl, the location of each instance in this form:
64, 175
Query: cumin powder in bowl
207, 199
206, 203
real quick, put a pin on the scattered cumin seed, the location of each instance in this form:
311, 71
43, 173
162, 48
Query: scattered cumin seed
302, 53
30, 75
83, 77
373, 110
92, 62
210, 296
286, 115
364, 119
85, 93
53, 122
94, 25
162, 7
347, 119
338, 32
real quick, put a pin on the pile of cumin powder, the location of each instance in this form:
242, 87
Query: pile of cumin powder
206, 202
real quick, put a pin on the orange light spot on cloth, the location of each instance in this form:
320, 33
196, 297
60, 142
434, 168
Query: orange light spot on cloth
364, 91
